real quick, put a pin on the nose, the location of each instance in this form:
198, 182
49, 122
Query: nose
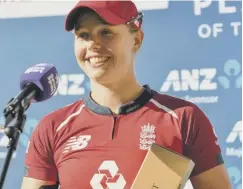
94, 45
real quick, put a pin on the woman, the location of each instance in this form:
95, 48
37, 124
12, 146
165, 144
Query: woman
113, 127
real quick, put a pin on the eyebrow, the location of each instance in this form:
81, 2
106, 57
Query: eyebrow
79, 24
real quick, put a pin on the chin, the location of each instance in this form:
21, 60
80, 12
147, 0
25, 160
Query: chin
96, 76
100, 78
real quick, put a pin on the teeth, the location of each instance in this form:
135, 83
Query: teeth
96, 60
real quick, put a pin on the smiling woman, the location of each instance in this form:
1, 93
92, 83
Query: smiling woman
105, 52
77, 145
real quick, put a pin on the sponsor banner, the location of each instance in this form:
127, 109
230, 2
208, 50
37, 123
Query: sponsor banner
191, 50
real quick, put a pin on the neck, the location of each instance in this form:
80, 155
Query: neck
115, 95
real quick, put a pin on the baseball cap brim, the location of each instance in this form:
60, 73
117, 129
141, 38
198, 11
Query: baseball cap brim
105, 14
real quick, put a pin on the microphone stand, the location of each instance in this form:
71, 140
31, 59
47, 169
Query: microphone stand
15, 118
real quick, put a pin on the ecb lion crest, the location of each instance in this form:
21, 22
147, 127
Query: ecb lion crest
147, 136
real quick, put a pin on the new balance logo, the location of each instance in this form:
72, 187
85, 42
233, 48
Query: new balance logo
77, 143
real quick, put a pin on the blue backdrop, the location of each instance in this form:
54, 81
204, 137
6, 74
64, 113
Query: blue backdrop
191, 50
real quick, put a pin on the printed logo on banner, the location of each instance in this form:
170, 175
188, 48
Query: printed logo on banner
24, 137
72, 84
215, 30
202, 80
232, 77
234, 141
235, 177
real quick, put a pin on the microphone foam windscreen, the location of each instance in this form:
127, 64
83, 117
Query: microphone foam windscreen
44, 76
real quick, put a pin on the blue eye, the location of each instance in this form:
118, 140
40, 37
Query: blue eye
83, 35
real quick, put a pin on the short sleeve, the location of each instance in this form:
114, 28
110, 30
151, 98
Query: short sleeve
39, 161
200, 141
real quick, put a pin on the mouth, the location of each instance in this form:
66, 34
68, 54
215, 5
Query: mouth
97, 61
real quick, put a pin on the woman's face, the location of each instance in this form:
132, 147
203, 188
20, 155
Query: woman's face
104, 52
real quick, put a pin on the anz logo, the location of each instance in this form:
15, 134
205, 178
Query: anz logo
235, 176
232, 77
184, 80
72, 84
204, 79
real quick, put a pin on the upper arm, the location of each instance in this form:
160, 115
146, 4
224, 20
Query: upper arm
39, 161
200, 142
30, 183
214, 178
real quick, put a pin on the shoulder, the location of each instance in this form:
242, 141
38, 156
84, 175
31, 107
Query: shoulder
52, 120
179, 106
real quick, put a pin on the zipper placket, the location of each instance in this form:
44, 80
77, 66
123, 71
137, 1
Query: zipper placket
114, 126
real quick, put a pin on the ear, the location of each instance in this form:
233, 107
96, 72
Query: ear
138, 39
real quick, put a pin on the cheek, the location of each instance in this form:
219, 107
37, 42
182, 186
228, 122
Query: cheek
79, 50
125, 52
122, 50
